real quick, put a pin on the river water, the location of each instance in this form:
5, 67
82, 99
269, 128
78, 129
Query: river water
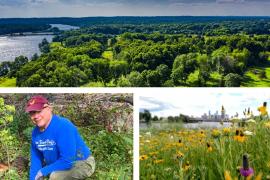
203, 125
13, 46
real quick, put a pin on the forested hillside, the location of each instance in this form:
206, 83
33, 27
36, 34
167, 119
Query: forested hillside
193, 52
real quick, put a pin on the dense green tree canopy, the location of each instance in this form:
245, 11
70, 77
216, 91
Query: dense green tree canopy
190, 52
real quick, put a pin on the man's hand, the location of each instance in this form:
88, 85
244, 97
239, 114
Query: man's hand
39, 176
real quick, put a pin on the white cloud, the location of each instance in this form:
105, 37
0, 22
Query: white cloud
80, 8
198, 101
230, 1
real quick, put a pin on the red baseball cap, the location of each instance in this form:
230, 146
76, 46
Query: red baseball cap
36, 103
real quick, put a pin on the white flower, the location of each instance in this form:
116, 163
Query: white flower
248, 133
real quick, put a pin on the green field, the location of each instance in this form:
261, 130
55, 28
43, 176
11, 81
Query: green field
7, 82
252, 77
107, 55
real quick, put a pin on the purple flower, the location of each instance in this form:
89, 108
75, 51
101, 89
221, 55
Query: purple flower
246, 172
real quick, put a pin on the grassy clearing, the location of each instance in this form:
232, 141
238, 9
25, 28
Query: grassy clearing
252, 79
107, 55
7, 82
204, 153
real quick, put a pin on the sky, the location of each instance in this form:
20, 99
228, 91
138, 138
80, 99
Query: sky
85, 8
197, 101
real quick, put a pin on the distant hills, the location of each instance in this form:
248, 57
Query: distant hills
87, 21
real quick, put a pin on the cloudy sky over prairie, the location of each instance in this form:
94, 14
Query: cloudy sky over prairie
197, 101
82, 8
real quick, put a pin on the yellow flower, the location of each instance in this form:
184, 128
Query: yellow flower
143, 157
226, 131
179, 155
227, 175
186, 166
215, 133
267, 124
259, 176
209, 148
249, 177
201, 134
239, 138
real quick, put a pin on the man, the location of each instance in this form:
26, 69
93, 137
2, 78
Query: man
57, 149
263, 111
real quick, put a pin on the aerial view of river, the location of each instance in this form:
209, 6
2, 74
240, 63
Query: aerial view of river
13, 46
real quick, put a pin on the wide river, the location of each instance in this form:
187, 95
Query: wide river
203, 125
13, 46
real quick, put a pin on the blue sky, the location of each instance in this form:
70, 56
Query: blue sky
82, 8
196, 101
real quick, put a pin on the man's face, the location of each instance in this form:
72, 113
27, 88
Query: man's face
41, 118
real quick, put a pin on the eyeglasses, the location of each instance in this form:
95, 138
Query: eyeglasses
32, 113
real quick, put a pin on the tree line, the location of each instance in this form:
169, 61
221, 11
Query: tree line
147, 117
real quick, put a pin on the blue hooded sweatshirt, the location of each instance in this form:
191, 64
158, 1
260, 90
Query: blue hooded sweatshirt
59, 146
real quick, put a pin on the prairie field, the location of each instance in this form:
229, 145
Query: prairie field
206, 153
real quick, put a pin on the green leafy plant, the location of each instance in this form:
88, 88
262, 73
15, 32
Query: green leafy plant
7, 140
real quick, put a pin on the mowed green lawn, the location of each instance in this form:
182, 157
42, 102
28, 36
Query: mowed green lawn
252, 77
107, 55
7, 82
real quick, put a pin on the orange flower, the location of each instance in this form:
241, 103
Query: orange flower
143, 157
227, 175
209, 148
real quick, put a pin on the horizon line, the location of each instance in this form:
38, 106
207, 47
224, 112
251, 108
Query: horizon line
146, 16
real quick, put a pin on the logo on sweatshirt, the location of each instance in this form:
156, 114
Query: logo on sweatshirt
45, 145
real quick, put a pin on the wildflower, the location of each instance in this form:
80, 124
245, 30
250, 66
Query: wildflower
179, 144
201, 134
248, 133
259, 176
267, 124
226, 131
180, 155
186, 166
246, 170
239, 136
215, 133
209, 147
143, 157
227, 175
